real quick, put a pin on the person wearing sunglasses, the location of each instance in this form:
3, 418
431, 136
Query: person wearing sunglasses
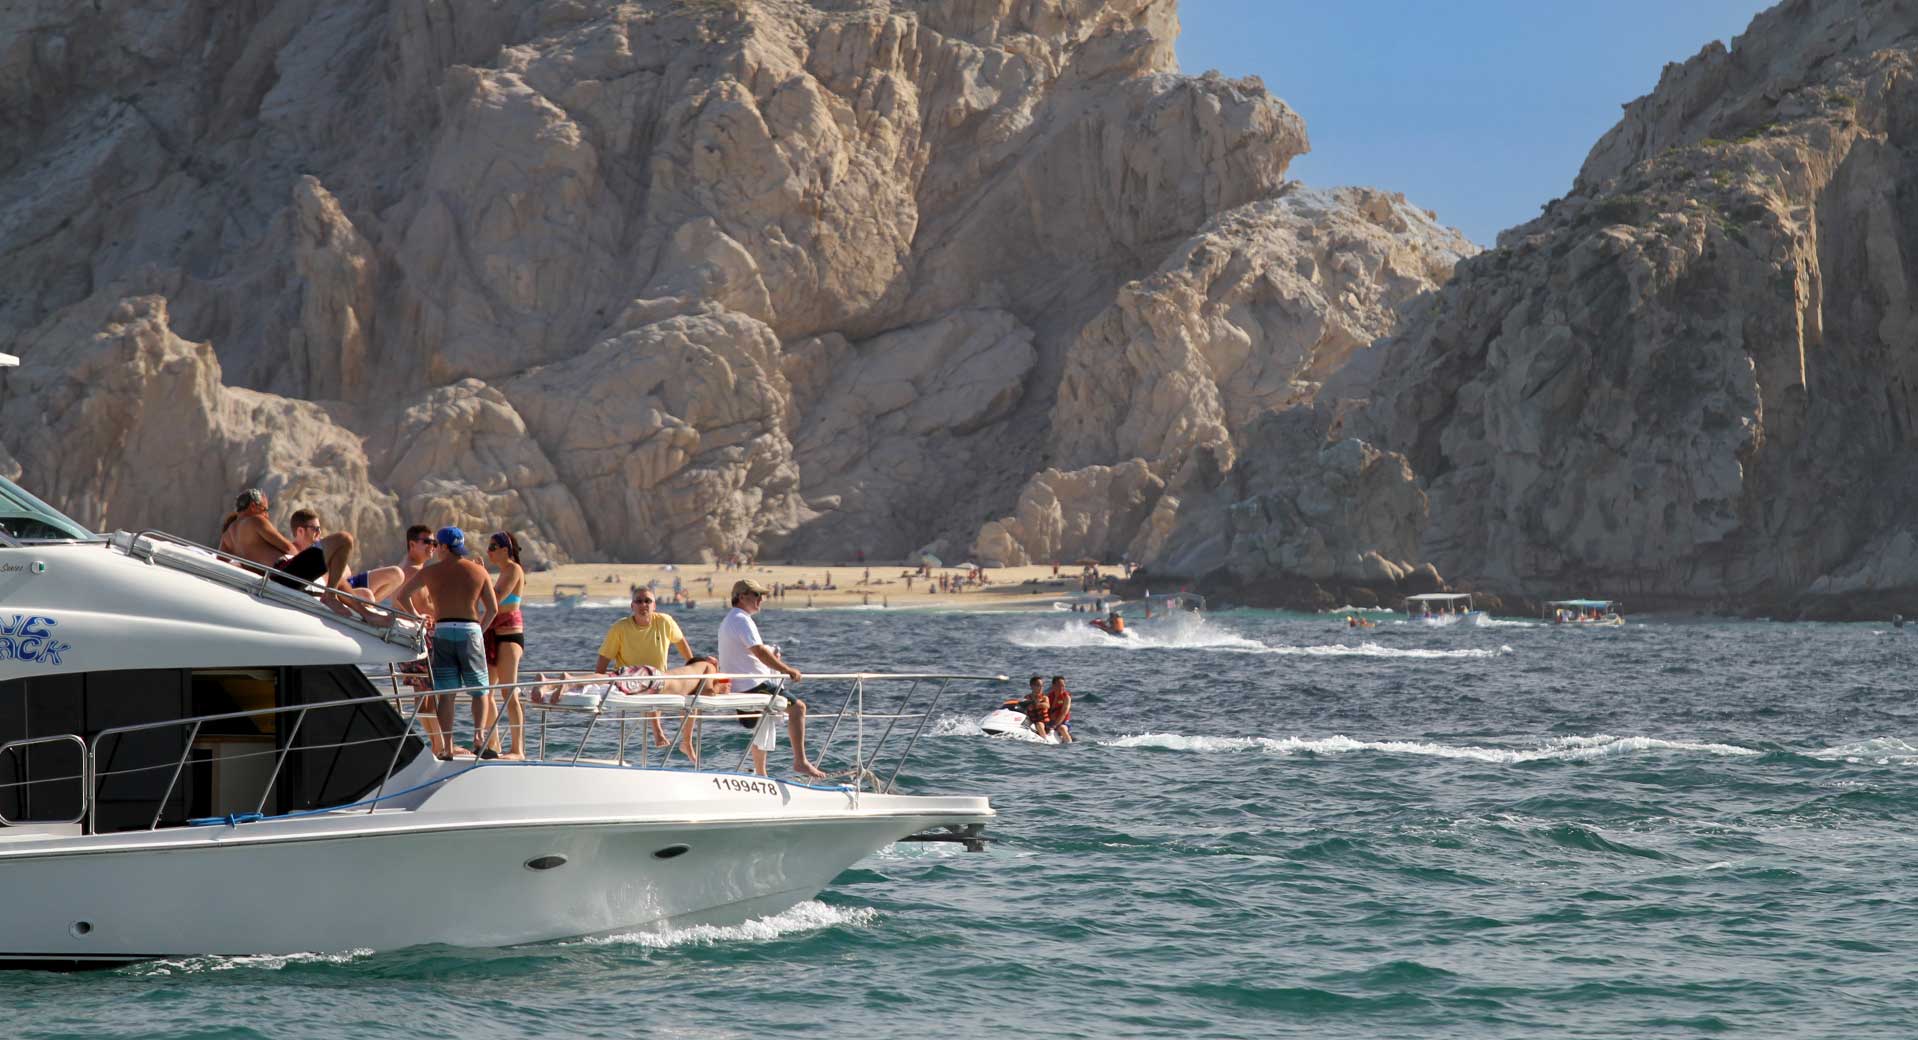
506, 639
642, 639
379, 583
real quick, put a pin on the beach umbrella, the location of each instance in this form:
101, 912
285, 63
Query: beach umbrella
968, 565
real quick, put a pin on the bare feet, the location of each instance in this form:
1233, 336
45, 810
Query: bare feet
808, 769
514, 756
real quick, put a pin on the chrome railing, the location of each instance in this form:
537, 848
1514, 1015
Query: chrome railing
585, 700
262, 582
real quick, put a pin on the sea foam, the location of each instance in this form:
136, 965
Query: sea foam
1565, 748
809, 916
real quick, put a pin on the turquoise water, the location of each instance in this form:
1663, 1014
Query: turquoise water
1270, 827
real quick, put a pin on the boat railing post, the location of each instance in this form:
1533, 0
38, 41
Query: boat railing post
185, 753
291, 736
937, 696
398, 746
591, 721
886, 734
859, 746
621, 757
826, 745
93, 783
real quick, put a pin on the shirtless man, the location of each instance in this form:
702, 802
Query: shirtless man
464, 603
248, 533
378, 584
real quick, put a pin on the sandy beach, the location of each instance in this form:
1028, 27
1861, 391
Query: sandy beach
877, 585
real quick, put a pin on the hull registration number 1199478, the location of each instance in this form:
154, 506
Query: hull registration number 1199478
731, 783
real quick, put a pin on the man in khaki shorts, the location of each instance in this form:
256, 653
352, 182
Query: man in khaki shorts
742, 652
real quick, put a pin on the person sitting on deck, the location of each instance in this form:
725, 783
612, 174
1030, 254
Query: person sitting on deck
642, 639
249, 534
379, 584
742, 652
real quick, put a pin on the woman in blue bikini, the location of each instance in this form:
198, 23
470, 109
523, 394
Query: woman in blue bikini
506, 640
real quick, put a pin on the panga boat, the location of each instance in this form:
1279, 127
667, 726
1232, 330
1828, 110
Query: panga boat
1584, 612
1443, 608
568, 595
195, 759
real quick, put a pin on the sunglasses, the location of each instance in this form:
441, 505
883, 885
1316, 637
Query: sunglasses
428, 540
637, 602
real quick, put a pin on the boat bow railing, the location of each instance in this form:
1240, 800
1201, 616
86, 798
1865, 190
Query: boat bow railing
388, 624
864, 727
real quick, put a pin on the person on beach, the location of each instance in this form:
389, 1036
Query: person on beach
642, 639
248, 533
742, 652
464, 604
505, 641
1059, 713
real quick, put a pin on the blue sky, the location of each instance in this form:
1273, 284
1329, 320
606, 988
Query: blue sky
1480, 109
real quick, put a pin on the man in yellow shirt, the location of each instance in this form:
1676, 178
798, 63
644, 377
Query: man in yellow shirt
643, 639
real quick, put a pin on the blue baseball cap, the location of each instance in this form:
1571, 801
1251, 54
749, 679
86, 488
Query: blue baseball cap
453, 538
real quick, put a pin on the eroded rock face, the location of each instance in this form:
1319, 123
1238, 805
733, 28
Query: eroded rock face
129, 414
1692, 379
1247, 318
1065, 516
630, 222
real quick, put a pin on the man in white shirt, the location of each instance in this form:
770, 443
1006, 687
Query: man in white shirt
742, 652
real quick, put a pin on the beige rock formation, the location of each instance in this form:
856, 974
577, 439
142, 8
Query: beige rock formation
1692, 378
631, 222
1062, 516
1246, 318
120, 422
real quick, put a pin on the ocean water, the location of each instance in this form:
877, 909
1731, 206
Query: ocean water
1270, 826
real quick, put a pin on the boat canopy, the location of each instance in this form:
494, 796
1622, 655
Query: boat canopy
1582, 604
8, 361
1438, 597
26, 517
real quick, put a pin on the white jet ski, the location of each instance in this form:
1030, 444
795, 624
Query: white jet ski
1006, 722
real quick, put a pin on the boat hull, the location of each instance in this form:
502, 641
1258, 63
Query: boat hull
401, 878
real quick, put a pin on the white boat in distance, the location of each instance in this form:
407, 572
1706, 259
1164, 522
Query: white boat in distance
195, 760
1443, 608
1583, 612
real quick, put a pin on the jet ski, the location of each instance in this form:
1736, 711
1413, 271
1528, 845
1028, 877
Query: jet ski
1006, 722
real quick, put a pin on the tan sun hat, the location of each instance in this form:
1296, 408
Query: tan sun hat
745, 585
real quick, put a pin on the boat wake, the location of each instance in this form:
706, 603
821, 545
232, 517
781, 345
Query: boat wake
809, 916
1179, 632
1375, 650
1565, 748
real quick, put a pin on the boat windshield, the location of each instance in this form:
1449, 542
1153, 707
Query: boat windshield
26, 518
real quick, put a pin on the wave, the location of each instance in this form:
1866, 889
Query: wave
255, 962
1878, 751
1375, 650
809, 916
1563, 748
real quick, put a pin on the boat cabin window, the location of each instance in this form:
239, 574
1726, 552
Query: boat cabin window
27, 519
337, 755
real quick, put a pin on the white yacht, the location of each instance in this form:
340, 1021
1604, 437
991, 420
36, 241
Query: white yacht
195, 758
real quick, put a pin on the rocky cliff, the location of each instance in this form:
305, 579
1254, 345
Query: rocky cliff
666, 278
1692, 379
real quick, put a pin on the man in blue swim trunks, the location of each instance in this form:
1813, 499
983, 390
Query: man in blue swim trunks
464, 603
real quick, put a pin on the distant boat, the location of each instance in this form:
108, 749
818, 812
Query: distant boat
569, 596
1443, 608
1584, 612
